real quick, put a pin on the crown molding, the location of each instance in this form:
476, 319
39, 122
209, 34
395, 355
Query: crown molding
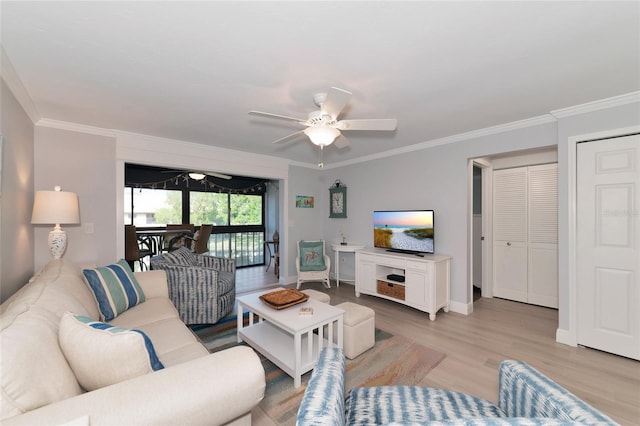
75, 127
501, 128
614, 101
552, 117
12, 79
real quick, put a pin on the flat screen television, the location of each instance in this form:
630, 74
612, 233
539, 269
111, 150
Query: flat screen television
405, 231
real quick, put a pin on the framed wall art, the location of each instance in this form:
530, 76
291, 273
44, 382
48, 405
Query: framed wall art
304, 201
338, 202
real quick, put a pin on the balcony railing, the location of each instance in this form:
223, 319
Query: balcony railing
247, 248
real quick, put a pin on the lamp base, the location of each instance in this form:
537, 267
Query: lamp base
57, 242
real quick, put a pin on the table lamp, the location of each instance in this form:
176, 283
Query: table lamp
56, 207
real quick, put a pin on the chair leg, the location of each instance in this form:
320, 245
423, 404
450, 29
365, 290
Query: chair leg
326, 283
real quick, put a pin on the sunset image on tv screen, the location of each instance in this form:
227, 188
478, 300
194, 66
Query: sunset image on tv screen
404, 230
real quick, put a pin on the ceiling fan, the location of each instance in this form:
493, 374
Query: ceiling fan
198, 175
323, 127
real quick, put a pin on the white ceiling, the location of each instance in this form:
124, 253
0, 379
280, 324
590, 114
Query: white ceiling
192, 70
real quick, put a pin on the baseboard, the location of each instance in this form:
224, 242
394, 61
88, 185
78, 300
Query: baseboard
460, 308
565, 337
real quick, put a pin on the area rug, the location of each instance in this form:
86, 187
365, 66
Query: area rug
393, 360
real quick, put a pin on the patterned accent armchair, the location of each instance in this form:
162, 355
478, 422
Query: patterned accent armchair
526, 397
202, 288
312, 263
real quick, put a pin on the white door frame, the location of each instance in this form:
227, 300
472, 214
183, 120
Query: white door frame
487, 231
571, 335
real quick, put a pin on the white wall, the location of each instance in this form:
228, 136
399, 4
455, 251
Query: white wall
16, 196
84, 164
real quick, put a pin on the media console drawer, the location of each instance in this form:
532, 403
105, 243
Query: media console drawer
392, 290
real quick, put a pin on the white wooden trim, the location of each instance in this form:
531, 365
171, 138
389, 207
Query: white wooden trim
551, 117
461, 308
469, 298
614, 101
12, 79
487, 230
570, 336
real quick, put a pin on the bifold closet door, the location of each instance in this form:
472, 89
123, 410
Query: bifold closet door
510, 234
542, 227
525, 239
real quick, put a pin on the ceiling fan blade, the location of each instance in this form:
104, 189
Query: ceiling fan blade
289, 137
278, 116
341, 142
368, 124
218, 175
335, 102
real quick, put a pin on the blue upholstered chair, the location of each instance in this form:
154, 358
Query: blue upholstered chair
202, 288
525, 397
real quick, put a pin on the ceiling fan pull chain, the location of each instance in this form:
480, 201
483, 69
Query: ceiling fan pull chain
320, 160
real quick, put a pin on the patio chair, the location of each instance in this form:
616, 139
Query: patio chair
135, 249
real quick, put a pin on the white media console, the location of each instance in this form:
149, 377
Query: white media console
426, 278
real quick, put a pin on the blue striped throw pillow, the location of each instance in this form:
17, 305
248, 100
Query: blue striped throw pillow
115, 289
101, 354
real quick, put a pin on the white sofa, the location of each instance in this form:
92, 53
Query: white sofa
39, 386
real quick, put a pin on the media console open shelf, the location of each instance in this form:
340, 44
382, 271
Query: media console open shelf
426, 278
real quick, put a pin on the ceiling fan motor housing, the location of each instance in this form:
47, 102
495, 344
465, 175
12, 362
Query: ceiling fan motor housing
316, 118
319, 99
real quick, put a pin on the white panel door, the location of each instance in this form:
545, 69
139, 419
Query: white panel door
608, 238
543, 235
510, 234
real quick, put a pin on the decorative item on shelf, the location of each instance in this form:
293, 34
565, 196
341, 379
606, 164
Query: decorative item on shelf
344, 239
338, 200
56, 207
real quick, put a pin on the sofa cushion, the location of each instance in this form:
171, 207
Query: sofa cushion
101, 354
33, 370
312, 256
115, 289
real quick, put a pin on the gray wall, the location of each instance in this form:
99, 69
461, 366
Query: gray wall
85, 164
434, 178
303, 223
16, 231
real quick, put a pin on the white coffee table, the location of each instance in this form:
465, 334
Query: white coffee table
287, 338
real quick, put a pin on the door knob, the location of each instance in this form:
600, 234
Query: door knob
509, 243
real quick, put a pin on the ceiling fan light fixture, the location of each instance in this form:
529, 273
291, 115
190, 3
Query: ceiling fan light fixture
196, 176
322, 135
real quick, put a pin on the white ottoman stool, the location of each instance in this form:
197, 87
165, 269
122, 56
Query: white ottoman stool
317, 295
359, 329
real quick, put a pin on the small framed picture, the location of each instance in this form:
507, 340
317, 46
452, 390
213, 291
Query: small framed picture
304, 202
338, 202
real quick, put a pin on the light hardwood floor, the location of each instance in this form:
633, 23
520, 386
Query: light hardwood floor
496, 330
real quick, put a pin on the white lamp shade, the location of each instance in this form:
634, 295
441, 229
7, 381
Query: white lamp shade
322, 135
55, 207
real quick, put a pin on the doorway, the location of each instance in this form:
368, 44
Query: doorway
480, 269
480, 235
